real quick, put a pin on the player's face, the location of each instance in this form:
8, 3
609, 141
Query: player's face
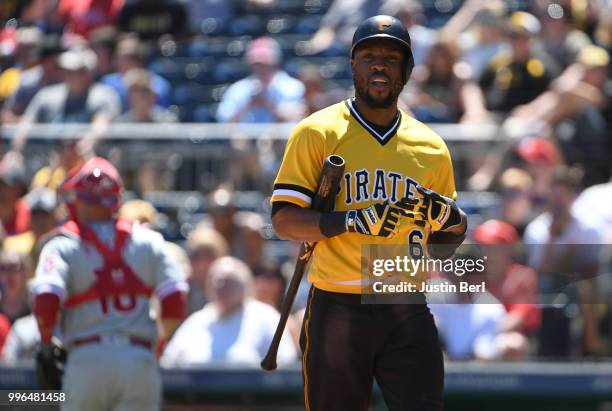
377, 72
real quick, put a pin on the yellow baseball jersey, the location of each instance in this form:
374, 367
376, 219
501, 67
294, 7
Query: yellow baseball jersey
379, 168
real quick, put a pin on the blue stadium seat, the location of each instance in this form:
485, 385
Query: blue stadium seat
437, 12
288, 42
168, 68
230, 70
212, 27
249, 25
281, 24
185, 68
219, 46
205, 113
308, 24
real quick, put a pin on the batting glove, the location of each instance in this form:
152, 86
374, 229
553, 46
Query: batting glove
380, 220
441, 213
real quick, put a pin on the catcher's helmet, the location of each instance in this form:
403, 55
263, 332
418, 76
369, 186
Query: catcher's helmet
97, 181
385, 27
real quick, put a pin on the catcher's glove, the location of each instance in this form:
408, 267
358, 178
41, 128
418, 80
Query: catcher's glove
50, 361
433, 209
381, 220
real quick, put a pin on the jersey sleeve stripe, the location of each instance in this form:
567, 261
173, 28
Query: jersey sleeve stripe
291, 193
43, 288
171, 286
294, 187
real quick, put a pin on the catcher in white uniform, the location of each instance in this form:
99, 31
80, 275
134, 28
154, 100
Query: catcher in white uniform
96, 276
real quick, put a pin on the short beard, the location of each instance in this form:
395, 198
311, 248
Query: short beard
361, 91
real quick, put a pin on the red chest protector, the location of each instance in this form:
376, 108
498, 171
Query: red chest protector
115, 278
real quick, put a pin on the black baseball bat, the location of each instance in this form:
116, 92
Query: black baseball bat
323, 201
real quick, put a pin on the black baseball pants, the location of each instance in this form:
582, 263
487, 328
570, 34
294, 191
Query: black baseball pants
346, 344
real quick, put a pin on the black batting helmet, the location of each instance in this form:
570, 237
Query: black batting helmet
385, 27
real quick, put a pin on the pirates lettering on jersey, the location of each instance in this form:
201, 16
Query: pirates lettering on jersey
380, 186
381, 165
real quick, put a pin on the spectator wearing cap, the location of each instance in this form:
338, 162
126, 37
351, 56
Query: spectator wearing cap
268, 95
520, 76
233, 327
513, 284
578, 97
45, 217
564, 248
78, 99
204, 245
45, 73
25, 56
579, 85
131, 54
560, 39
540, 157
142, 100
15, 296
14, 210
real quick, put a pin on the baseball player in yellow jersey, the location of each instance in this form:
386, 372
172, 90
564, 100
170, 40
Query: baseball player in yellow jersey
398, 188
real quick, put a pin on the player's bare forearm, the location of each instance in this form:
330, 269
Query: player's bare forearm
298, 224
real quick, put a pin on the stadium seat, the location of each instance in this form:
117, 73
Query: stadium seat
204, 113
167, 67
212, 27
249, 25
308, 24
281, 24
230, 70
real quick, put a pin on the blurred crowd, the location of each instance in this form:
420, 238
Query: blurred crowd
540, 70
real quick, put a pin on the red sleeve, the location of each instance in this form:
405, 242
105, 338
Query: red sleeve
174, 305
46, 311
5, 329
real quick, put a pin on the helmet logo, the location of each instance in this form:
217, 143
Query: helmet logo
384, 23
